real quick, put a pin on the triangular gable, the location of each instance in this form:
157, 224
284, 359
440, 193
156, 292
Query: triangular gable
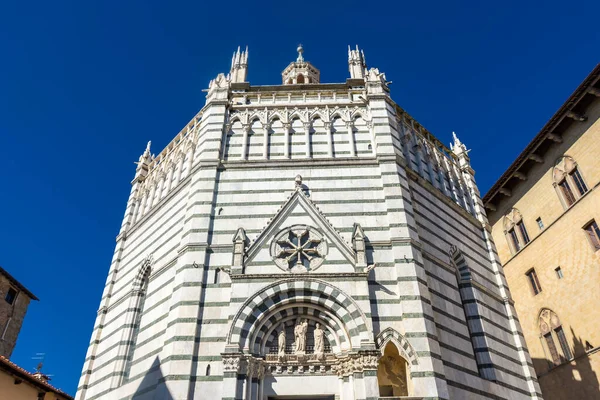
298, 198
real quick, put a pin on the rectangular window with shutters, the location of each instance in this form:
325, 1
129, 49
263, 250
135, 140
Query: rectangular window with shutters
560, 334
552, 348
593, 233
579, 183
533, 280
523, 231
567, 193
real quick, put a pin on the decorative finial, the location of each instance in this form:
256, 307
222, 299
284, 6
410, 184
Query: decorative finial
300, 50
298, 181
457, 146
456, 139
147, 151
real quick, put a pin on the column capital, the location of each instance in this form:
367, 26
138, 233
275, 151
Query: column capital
160, 175
231, 362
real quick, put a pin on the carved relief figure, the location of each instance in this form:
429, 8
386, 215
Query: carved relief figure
319, 342
300, 336
281, 341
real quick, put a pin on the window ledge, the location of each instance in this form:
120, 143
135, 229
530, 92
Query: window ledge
555, 367
577, 200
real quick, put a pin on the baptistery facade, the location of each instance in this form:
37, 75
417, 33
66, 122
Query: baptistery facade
308, 241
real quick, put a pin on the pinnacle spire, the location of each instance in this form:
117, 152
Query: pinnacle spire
458, 147
142, 164
239, 65
456, 139
356, 63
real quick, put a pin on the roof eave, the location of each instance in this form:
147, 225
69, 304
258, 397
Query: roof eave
562, 112
18, 284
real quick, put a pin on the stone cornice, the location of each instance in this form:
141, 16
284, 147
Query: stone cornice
299, 87
310, 104
301, 276
295, 163
565, 111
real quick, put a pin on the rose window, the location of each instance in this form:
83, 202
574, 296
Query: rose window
299, 248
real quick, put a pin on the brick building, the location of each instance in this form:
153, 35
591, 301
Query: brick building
14, 300
545, 213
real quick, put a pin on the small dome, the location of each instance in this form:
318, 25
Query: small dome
300, 71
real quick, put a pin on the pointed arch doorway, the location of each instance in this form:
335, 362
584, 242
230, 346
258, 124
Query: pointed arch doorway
393, 373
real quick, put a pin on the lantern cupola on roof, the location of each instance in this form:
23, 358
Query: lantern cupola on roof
300, 72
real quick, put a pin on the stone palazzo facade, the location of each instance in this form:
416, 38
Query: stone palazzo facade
308, 240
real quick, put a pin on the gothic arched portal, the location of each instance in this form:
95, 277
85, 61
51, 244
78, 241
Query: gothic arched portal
393, 373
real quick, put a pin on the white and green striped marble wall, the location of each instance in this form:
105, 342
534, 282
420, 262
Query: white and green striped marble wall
174, 302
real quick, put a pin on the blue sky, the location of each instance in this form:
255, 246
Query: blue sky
85, 84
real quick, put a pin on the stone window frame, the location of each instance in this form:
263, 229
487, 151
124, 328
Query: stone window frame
14, 298
515, 231
568, 181
468, 292
133, 319
553, 338
540, 223
559, 273
534, 282
592, 232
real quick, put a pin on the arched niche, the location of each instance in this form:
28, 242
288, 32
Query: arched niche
339, 138
297, 139
319, 138
234, 142
255, 140
288, 323
312, 299
362, 137
393, 373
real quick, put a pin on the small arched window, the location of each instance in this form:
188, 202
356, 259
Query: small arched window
515, 231
552, 332
568, 181
473, 313
300, 79
134, 319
